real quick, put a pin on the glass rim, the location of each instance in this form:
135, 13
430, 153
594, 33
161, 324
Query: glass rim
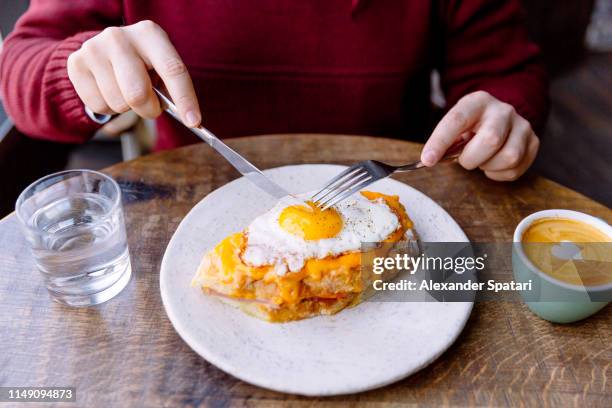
21, 197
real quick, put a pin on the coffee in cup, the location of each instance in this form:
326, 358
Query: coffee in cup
569, 250
567, 255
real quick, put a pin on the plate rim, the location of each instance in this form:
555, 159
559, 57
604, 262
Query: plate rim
234, 371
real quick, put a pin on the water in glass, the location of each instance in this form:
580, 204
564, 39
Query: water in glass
79, 244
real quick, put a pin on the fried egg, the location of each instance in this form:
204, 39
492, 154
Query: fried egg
296, 261
293, 231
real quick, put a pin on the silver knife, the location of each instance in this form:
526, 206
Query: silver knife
240, 163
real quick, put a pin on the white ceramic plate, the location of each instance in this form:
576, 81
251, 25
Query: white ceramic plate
368, 346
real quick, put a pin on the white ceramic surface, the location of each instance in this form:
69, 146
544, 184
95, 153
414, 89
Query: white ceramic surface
365, 347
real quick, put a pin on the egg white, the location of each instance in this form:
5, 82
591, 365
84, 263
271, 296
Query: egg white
362, 221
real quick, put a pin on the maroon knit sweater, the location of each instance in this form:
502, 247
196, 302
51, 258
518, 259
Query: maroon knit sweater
272, 66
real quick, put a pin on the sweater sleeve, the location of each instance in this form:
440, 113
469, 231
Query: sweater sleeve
487, 48
34, 84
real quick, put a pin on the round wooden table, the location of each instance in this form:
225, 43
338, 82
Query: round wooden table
126, 353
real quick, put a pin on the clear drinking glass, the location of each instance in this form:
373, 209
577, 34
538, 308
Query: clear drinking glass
74, 223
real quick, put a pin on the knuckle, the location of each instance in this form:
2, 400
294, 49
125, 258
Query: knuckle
149, 111
119, 106
147, 26
174, 67
113, 33
184, 100
465, 162
89, 47
506, 110
523, 125
152, 113
535, 143
480, 95
468, 160
534, 146
136, 96
98, 106
457, 119
512, 157
73, 61
492, 138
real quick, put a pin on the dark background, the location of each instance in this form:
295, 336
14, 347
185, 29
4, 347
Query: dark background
576, 147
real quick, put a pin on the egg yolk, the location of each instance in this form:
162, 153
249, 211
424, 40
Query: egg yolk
309, 222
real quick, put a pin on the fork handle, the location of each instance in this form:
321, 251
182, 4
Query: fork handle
451, 153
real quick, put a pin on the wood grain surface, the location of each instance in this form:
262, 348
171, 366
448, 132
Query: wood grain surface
126, 353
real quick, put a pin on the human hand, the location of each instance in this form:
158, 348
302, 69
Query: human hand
110, 72
503, 145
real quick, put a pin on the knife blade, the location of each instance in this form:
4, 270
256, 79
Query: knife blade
241, 164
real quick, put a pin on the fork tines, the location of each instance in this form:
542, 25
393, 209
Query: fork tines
342, 186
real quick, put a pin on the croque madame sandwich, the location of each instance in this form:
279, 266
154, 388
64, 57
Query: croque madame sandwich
296, 261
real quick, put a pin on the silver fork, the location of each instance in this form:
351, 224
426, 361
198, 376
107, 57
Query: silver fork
362, 174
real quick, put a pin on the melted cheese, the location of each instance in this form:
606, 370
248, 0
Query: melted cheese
242, 281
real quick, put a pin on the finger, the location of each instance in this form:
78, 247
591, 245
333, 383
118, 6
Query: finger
120, 123
86, 87
459, 119
163, 57
107, 84
513, 174
128, 74
490, 136
135, 84
511, 154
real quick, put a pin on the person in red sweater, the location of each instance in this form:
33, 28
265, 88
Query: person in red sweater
270, 66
